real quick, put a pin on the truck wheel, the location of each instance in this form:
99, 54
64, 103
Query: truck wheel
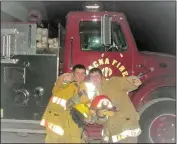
158, 123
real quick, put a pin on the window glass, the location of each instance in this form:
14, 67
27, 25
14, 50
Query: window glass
90, 36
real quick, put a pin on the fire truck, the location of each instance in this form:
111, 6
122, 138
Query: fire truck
94, 39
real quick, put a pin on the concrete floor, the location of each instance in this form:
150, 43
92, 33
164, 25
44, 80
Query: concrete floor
7, 137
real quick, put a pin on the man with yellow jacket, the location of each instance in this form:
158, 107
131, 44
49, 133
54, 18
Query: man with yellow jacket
57, 119
123, 127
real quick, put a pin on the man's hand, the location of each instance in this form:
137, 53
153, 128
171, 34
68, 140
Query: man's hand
62, 81
91, 117
105, 112
68, 77
134, 80
109, 113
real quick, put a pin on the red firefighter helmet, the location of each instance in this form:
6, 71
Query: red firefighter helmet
100, 102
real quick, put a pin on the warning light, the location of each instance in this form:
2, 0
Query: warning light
92, 6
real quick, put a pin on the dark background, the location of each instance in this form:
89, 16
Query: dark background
152, 22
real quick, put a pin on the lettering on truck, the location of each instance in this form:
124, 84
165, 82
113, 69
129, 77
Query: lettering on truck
108, 66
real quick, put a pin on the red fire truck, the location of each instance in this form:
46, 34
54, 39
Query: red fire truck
94, 39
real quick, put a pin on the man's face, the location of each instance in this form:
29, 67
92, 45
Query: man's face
96, 79
79, 75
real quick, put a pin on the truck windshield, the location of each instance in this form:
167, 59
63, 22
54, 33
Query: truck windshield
90, 36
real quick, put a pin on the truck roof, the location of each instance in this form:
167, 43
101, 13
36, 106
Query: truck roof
88, 14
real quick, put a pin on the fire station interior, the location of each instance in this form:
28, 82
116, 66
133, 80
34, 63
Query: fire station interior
143, 18
27, 80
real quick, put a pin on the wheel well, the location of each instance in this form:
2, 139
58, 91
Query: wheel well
147, 105
162, 92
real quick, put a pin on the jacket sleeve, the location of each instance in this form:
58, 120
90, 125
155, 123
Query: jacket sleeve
128, 85
125, 83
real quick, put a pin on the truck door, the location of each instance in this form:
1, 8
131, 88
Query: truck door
113, 60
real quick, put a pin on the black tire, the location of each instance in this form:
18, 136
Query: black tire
155, 110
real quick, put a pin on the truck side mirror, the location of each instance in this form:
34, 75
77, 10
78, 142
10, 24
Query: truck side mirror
106, 30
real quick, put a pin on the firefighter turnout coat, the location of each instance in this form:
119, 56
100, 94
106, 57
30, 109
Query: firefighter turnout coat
57, 119
124, 125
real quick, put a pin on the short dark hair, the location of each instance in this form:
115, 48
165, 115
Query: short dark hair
96, 70
78, 66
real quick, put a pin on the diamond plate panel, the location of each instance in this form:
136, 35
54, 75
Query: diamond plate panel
23, 41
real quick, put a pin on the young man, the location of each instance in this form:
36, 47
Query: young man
124, 126
78, 75
57, 119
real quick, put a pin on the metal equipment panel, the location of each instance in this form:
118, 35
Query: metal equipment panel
21, 38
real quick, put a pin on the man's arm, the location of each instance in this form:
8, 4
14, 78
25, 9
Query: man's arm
129, 83
62, 81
